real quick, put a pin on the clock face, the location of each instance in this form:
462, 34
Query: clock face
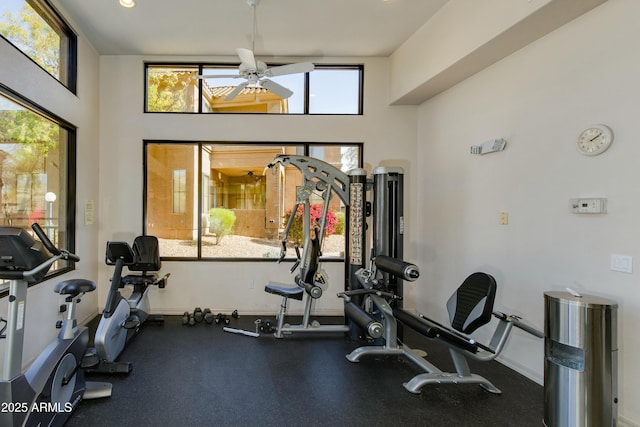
595, 140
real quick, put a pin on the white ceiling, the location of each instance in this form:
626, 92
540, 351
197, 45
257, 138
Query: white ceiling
311, 28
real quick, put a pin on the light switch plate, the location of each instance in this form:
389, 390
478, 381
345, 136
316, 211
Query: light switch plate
622, 263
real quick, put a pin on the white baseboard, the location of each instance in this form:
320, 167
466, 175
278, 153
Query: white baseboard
521, 369
625, 422
316, 313
88, 319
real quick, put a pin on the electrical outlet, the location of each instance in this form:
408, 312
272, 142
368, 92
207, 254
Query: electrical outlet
504, 218
251, 284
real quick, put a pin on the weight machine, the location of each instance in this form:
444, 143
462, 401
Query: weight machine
470, 307
326, 181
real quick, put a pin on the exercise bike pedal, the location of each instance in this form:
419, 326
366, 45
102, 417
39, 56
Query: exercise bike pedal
90, 359
157, 319
132, 322
96, 390
105, 367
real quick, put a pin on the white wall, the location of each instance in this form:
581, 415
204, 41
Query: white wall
466, 36
388, 133
539, 99
23, 76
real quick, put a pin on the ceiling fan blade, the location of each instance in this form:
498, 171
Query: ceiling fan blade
247, 58
219, 76
235, 92
276, 88
300, 67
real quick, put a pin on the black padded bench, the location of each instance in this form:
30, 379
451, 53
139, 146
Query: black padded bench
284, 291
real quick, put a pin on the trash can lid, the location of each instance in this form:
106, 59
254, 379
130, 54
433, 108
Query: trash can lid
581, 301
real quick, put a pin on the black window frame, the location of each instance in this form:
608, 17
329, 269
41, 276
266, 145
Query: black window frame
201, 66
70, 220
200, 144
56, 21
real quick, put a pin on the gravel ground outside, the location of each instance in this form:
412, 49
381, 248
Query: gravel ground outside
241, 247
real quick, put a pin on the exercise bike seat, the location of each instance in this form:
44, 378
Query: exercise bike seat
74, 287
137, 279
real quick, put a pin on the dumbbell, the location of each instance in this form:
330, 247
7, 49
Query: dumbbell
235, 314
198, 315
267, 327
208, 316
222, 318
188, 319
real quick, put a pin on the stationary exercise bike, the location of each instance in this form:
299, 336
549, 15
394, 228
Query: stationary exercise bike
52, 387
122, 317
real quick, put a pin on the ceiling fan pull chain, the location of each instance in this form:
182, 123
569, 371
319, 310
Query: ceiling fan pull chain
254, 29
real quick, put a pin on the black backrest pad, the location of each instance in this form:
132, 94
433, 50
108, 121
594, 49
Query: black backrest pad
119, 250
147, 254
472, 304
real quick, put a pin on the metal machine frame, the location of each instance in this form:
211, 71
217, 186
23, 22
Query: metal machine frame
324, 179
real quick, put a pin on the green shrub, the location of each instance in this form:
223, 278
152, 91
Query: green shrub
341, 223
221, 222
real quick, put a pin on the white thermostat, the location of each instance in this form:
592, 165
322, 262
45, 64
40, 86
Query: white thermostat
588, 206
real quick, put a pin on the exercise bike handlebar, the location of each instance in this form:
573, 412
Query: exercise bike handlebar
48, 244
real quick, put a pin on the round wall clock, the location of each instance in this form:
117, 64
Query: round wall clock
594, 140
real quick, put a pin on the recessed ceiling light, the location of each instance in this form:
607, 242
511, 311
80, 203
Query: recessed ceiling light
127, 3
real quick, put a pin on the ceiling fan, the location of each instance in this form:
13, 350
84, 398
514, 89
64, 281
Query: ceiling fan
255, 72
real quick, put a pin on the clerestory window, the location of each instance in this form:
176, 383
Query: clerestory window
176, 88
39, 31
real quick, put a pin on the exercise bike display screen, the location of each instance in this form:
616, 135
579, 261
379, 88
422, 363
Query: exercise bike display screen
19, 251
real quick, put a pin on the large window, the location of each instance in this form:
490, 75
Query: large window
329, 89
234, 208
35, 28
37, 172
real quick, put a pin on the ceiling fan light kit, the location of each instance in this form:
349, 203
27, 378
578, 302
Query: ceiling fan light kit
127, 3
255, 72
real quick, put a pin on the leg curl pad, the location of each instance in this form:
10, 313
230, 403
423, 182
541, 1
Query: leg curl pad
405, 270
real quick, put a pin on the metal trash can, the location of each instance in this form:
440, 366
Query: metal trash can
581, 360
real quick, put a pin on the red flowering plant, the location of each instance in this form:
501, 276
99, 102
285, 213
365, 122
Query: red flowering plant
296, 234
